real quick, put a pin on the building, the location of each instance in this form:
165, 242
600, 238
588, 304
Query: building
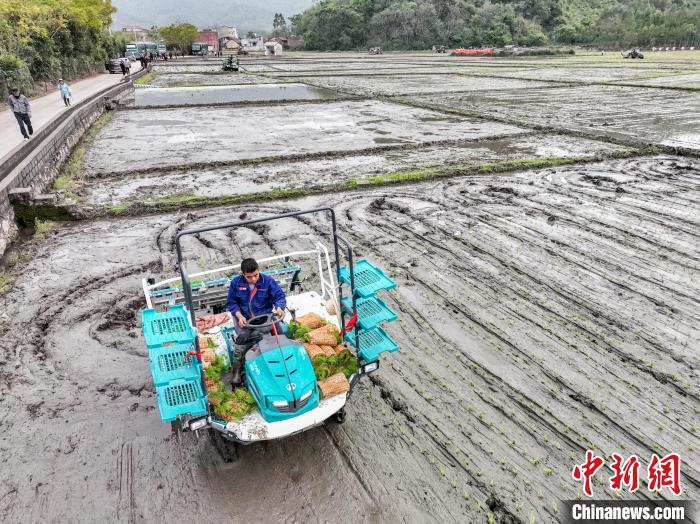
210, 37
253, 44
273, 48
136, 33
227, 31
294, 41
228, 43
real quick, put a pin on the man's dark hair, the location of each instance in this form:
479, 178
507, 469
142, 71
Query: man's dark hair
249, 265
14, 89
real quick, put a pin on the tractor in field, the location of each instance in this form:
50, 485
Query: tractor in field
375, 51
283, 388
632, 53
230, 64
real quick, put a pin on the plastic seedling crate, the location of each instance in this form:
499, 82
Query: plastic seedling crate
368, 278
168, 327
172, 363
373, 342
370, 311
181, 397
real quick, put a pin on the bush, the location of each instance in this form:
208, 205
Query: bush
13, 73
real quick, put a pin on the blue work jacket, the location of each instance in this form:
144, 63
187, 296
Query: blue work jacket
265, 296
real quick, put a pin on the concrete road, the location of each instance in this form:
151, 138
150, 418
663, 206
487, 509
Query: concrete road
48, 106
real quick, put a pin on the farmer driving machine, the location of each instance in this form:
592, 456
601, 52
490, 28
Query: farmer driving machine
230, 64
297, 372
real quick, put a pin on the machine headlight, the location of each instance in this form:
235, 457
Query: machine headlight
279, 403
198, 424
306, 395
368, 368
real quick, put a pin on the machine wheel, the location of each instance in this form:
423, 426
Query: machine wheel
340, 416
176, 427
227, 449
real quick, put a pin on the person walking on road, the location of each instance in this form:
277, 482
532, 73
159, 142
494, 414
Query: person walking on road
22, 110
122, 66
64, 91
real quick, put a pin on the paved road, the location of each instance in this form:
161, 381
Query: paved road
47, 107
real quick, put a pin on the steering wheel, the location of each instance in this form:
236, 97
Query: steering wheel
262, 321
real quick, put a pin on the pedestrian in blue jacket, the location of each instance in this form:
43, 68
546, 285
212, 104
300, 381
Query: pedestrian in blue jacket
64, 90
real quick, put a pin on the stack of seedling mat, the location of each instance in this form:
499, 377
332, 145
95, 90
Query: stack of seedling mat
332, 361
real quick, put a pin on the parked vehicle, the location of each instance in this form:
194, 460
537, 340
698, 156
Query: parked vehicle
200, 49
375, 51
113, 65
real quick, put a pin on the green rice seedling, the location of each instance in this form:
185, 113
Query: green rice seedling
548, 472
465, 494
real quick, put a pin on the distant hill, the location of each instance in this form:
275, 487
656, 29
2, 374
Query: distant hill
246, 15
420, 24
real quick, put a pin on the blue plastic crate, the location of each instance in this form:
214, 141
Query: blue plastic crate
373, 342
181, 397
370, 311
368, 278
167, 327
172, 362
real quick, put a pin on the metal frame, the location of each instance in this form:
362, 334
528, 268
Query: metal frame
185, 278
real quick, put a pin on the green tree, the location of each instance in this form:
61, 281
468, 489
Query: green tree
41, 40
279, 26
179, 36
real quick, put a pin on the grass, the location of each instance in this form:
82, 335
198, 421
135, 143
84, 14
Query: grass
145, 79
72, 169
41, 227
6, 280
189, 200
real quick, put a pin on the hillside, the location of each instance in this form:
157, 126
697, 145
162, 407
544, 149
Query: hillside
244, 14
417, 24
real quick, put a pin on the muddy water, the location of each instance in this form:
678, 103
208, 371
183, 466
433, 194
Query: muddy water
401, 85
209, 95
321, 172
169, 137
194, 79
626, 112
541, 314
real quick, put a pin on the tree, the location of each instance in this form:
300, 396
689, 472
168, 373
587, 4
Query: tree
419, 24
179, 36
279, 26
42, 40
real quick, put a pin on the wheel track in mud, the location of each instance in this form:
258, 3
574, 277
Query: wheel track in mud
532, 277
622, 429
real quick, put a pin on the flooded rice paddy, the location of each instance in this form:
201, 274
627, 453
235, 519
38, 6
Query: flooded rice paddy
546, 245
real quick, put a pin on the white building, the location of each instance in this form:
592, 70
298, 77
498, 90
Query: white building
253, 44
273, 48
